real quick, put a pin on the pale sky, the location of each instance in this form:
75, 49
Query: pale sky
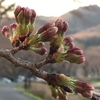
52, 7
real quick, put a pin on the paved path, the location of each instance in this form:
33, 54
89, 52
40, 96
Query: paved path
8, 93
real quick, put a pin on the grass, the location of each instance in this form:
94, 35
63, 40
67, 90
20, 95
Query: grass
95, 83
20, 88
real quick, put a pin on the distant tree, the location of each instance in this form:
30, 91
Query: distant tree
62, 49
4, 10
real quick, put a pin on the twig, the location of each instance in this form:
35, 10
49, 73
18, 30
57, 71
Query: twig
18, 62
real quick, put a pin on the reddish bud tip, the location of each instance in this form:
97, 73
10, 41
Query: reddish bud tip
62, 25
5, 30
71, 45
20, 16
42, 51
85, 85
75, 50
27, 15
17, 10
49, 34
33, 16
45, 27
13, 26
80, 60
67, 40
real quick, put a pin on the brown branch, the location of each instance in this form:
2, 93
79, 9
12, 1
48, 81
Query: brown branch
40, 64
18, 62
44, 62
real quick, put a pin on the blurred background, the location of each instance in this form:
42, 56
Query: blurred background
83, 17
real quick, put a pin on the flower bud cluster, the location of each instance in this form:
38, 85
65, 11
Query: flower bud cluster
67, 51
68, 84
61, 47
23, 27
84, 88
20, 32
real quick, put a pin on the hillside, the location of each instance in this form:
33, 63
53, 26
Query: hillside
82, 18
88, 37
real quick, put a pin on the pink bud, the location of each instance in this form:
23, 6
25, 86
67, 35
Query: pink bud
5, 31
13, 26
83, 92
87, 94
78, 52
45, 27
42, 51
75, 50
65, 26
85, 85
81, 59
74, 58
20, 16
27, 15
17, 10
49, 34
71, 45
33, 16
62, 25
67, 40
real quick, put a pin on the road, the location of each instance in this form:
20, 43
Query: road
8, 93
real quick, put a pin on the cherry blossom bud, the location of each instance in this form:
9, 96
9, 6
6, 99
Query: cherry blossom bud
45, 27
13, 26
5, 31
20, 16
71, 45
27, 15
87, 94
81, 59
75, 50
73, 58
83, 92
17, 10
49, 34
40, 51
32, 19
67, 40
62, 25
85, 85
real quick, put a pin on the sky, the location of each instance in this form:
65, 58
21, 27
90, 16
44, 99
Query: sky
52, 7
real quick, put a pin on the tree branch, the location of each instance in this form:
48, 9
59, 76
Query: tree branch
18, 62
